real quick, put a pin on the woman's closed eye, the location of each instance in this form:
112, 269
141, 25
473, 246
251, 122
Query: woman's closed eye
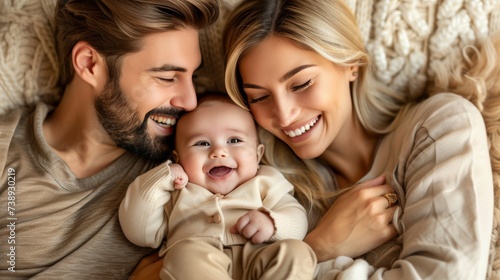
253, 100
301, 86
261, 98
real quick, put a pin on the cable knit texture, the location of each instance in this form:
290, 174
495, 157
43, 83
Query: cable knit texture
408, 41
28, 61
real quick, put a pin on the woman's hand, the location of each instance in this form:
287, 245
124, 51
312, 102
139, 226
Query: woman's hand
357, 222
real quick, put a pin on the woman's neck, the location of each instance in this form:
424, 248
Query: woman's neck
351, 154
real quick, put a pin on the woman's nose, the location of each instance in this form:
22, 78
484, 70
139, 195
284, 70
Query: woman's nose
285, 110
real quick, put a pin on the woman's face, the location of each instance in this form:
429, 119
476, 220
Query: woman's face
297, 95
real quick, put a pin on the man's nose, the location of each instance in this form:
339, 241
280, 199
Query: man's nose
185, 97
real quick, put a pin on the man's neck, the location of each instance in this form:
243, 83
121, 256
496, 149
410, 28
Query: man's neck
74, 132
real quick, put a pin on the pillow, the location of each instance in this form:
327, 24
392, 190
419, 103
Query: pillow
408, 40
28, 61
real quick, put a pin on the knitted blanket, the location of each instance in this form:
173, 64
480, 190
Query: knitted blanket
408, 41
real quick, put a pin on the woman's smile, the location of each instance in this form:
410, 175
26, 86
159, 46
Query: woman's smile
301, 130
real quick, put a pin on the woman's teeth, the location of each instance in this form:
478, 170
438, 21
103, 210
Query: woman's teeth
163, 120
301, 130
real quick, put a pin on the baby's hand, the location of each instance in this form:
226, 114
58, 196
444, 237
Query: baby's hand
180, 177
255, 226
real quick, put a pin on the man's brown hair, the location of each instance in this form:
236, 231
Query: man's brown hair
115, 28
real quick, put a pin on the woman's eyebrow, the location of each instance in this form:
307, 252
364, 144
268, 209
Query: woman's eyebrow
285, 77
294, 71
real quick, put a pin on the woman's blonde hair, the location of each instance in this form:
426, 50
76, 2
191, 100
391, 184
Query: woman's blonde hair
328, 28
476, 77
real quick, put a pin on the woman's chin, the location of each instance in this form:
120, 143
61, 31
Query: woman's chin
307, 152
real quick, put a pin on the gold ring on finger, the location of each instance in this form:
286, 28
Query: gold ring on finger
392, 199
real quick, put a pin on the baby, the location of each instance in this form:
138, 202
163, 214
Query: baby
234, 219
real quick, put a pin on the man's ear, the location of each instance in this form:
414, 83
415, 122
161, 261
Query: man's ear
89, 65
260, 152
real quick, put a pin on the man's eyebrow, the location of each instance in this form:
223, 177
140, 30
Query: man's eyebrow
285, 77
167, 68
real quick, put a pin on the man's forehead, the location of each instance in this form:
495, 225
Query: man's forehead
176, 50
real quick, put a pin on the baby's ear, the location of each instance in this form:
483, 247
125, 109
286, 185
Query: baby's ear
175, 157
260, 152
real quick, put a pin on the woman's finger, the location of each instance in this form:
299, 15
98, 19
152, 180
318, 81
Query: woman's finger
380, 180
391, 198
390, 213
367, 193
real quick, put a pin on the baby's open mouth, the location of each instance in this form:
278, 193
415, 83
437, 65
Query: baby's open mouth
219, 171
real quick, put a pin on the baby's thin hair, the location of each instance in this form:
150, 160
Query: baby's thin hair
212, 97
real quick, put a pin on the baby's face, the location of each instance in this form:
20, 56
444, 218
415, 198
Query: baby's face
217, 146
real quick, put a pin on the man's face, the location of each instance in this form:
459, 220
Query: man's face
140, 109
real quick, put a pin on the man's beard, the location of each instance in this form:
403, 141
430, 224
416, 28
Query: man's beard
123, 125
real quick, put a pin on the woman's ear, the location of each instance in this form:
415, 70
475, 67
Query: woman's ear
260, 152
89, 65
353, 73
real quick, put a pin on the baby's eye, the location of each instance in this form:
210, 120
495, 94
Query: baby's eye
234, 140
202, 143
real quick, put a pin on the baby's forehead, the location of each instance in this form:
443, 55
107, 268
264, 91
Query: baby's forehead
217, 101
225, 104
225, 113
217, 114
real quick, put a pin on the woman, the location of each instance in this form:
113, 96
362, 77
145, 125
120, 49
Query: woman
301, 68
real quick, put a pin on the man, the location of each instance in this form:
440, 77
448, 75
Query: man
126, 68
